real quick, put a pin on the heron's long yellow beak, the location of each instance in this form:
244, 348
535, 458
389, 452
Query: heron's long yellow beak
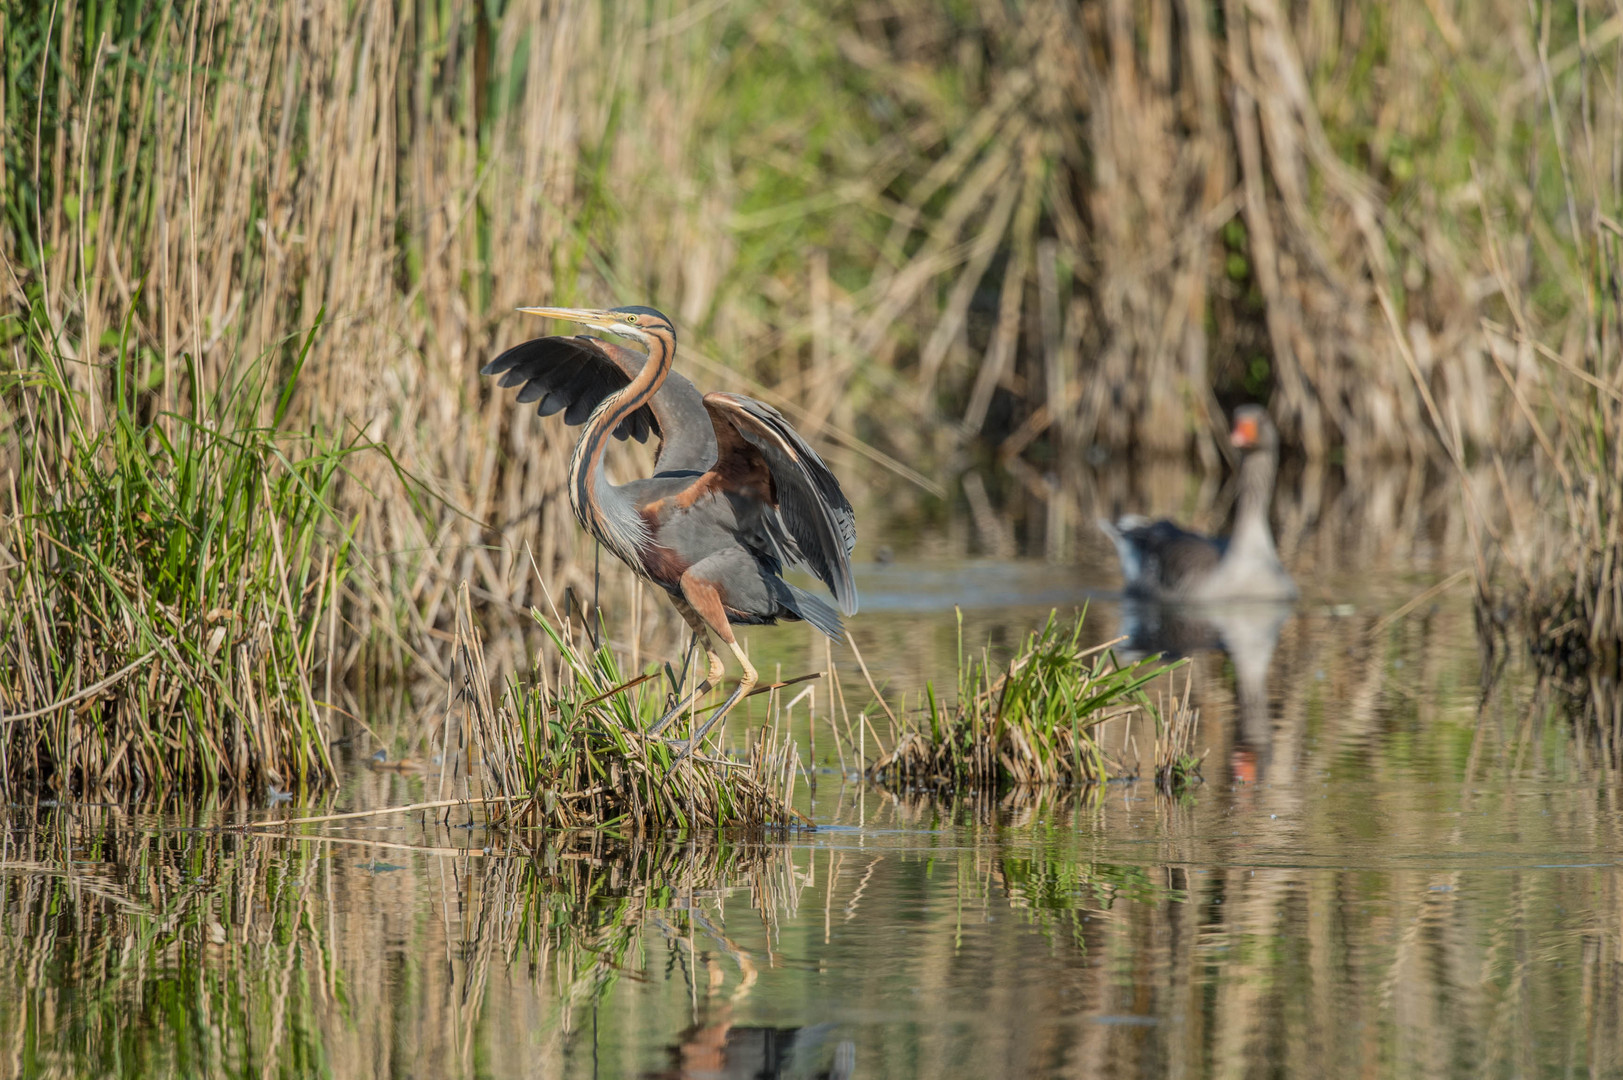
585, 316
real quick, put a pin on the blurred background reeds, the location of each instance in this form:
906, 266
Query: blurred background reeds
939, 236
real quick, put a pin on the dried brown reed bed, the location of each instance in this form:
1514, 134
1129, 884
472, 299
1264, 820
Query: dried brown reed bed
1551, 569
1062, 226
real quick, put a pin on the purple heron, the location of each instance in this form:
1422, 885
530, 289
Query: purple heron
737, 495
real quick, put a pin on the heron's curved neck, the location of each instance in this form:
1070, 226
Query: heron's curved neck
605, 510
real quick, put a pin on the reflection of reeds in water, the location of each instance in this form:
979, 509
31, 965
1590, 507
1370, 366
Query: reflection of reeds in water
166, 955
1386, 904
1437, 926
201, 952
1033, 722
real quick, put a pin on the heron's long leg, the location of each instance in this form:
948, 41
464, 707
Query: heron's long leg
701, 634
704, 600
745, 685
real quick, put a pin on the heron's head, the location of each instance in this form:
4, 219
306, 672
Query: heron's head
635, 322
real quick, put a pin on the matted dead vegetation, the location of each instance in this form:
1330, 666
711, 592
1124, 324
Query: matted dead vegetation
570, 750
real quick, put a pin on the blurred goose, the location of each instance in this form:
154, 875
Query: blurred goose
1164, 562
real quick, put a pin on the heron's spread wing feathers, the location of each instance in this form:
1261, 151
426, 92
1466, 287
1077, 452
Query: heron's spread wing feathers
813, 508
574, 375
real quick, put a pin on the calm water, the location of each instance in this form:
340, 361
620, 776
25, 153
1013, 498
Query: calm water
1394, 867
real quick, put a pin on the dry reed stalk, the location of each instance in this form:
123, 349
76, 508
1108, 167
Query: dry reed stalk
1176, 764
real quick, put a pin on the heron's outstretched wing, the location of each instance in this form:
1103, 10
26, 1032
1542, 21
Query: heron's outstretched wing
808, 497
575, 374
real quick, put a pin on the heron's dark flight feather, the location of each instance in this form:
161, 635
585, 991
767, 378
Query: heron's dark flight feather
814, 510
574, 375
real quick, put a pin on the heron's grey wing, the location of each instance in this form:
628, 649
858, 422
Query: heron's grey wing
813, 508
574, 375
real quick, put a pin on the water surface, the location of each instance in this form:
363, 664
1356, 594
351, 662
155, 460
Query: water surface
1396, 866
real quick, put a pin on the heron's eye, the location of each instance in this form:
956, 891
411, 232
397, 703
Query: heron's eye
632, 319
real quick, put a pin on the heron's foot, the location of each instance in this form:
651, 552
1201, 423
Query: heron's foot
684, 747
688, 745
678, 709
745, 685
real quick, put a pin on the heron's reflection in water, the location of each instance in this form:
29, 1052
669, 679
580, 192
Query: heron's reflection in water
725, 1051
1246, 631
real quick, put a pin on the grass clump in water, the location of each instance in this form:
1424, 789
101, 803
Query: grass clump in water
165, 581
1177, 766
1035, 722
569, 750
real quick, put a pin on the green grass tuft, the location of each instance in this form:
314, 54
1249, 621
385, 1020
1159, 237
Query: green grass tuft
166, 581
573, 741
1034, 722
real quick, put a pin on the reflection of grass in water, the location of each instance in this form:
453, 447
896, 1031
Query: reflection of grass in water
143, 953
585, 915
1031, 863
162, 955
1032, 722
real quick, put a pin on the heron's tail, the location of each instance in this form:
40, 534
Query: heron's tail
814, 609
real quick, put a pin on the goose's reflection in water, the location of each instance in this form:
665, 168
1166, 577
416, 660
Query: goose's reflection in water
1246, 631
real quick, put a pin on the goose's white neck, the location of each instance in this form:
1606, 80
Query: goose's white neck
1252, 539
